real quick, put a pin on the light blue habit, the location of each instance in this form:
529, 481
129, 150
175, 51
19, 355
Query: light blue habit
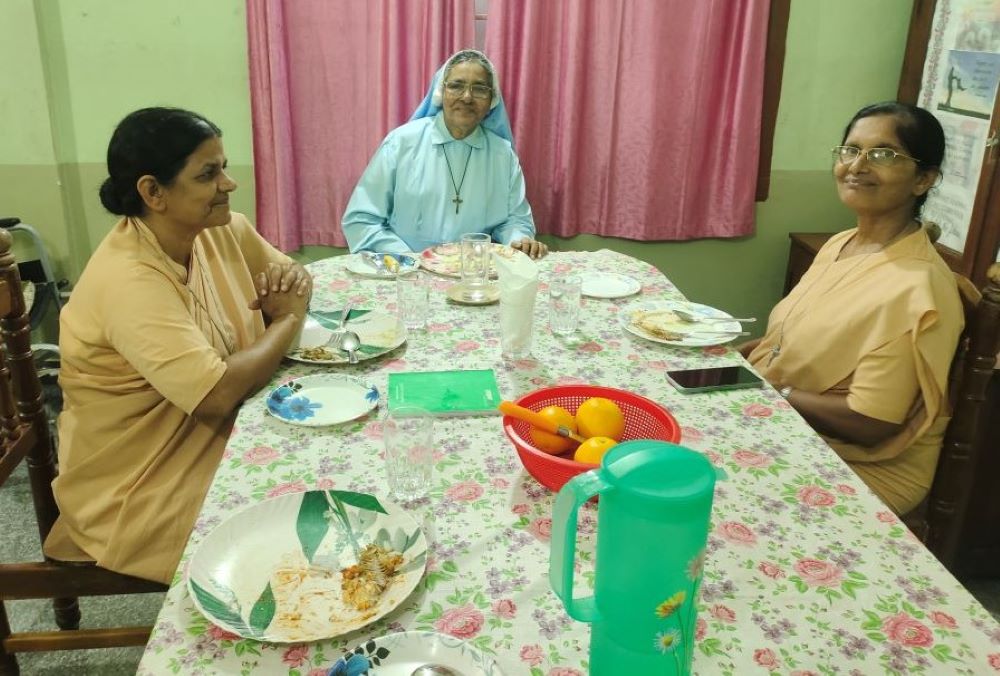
405, 199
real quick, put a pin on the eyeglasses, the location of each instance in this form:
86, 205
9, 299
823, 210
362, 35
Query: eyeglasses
882, 157
458, 88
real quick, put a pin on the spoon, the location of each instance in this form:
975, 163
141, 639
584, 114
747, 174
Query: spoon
691, 318
434, 670
350, 344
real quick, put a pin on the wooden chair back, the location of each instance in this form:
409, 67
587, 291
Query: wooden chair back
964, 447
24, 436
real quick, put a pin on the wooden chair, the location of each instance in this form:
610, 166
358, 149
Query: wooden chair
24, 435
941, 519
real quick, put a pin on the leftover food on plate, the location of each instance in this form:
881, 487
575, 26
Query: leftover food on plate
320, 353
364, 582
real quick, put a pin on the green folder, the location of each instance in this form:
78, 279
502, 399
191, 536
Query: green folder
446, 393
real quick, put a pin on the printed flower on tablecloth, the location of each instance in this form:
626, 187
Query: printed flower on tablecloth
757, 410
504, 608
904, 630
700, 629
817, 573
771, 570
994, 660
296, 655
465, 491
464, 622
532, 654
814, 496
261, 455
541, 528
766, 658
722, 613
943, 620
737, 533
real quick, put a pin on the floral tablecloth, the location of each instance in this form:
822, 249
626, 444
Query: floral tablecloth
806, 571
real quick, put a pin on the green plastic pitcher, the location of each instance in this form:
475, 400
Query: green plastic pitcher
652, 525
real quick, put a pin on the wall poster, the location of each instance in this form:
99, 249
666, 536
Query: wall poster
959, 86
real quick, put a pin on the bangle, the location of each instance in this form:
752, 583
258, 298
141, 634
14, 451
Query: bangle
785, 391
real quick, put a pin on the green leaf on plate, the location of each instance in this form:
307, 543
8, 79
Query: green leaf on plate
263, 610
359, 500
416, 563
412, 540
220, 611
331, 320
311, 524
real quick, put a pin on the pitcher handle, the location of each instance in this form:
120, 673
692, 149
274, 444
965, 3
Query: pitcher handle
563, 548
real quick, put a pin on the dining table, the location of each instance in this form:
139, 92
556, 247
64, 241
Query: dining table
806, 571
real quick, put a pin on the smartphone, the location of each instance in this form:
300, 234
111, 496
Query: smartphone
714, 379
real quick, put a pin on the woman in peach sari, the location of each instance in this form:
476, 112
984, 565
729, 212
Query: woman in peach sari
182, 312
862, 345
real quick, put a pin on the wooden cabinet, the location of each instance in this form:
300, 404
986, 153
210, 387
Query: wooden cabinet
801, 252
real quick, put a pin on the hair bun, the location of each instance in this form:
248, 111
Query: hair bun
110, 198
933, 230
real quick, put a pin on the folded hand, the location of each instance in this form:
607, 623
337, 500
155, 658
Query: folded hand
532, 247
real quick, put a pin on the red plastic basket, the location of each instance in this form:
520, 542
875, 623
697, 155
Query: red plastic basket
644, 419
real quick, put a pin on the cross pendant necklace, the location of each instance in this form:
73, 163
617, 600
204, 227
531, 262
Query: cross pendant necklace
457, 186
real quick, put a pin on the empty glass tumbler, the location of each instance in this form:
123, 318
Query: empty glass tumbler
476, 248
413, 300
408, 434
564, 304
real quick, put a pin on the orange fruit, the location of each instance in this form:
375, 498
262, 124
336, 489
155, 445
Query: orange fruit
600, 417
593, 449
553, 443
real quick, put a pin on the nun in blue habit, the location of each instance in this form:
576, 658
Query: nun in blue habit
450, 170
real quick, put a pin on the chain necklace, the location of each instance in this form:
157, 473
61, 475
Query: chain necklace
776, 350
224, 334
458, 186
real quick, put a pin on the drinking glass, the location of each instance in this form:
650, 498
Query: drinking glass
408, 434
413, 300
475, 256
564, 304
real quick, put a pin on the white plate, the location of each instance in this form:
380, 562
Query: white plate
610, 285
709, 333
232, 576
399, 654
379, 332
446, 259
324, 399
357, 264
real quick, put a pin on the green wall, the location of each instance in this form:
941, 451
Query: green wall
83, 64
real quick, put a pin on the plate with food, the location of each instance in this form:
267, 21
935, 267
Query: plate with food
379, 333
307, 566
609, 285
446, 259
322, 399
382, 265
401, 654
656, 321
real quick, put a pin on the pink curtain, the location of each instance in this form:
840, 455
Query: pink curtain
634, 118
328, 80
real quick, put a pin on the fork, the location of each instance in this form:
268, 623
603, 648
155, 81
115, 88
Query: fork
689, 318
337, 335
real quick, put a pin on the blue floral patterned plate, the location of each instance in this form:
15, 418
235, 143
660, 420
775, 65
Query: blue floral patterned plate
319, 400
399, 654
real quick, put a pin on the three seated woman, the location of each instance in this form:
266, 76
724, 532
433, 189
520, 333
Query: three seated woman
184, 310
